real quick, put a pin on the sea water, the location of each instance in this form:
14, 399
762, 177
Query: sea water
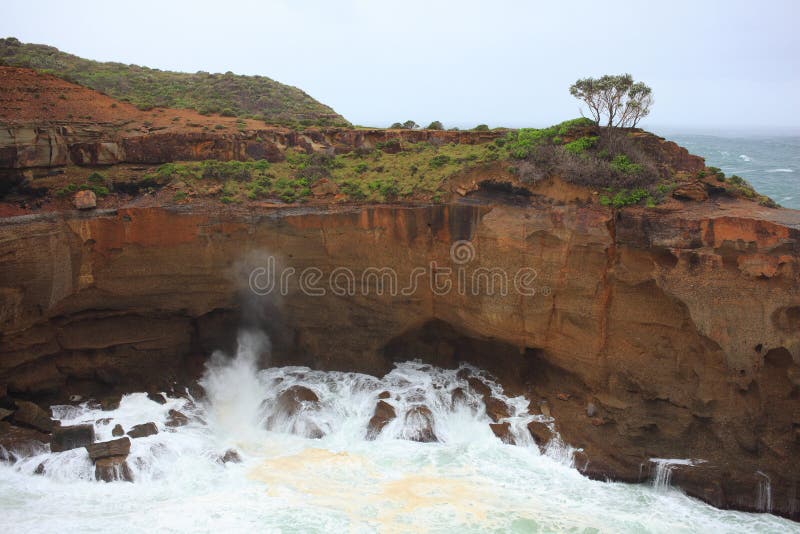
467, 481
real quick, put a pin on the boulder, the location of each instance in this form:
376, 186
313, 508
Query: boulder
157, 397
19, 442
495, 408
695, 191
66, 438
591, 409
291, 400
230, 456
479, 386
5, 413
143, 430
106, 449
85, 200
384, 412
117, 431
30, 415
540, 433
109, 403
503, 431
458, 396
420, 419
384, 395
176, 418
113, 468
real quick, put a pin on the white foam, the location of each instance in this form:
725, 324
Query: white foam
781, 170
744, 157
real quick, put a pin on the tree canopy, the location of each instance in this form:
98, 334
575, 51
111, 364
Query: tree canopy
617, 99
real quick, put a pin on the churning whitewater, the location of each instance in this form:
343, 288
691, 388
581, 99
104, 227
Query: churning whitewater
315, 467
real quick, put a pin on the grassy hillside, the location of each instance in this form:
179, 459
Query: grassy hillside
228, 94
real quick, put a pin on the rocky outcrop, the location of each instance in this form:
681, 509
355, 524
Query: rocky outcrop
681, 328
36, 145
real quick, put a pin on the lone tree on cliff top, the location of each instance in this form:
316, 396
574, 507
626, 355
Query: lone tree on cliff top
618, 99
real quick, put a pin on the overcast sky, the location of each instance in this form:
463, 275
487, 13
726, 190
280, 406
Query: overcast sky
712, 64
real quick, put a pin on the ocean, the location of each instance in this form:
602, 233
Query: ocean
770, 163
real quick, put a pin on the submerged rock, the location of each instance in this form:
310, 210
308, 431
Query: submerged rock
113, 468
71, 437
230, 456
458, 396
420, 419
106, 449
176, 419
117, 431
143, 430
503, 431
384, 412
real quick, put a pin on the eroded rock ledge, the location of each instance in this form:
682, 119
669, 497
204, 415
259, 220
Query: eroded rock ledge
680, 328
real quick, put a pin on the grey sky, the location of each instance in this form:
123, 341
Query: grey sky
715, 64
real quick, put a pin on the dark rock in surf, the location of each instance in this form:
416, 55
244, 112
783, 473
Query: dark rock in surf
421, 419
540, 433
113, 468
384, 395
157, 397
106, 449
291, 401
479, 386
384, 412
176, 418
19, 442
109, 404
496, 409
117, 431
143, 430
458, 396
503, 431
230, 456
66, 438
30, 415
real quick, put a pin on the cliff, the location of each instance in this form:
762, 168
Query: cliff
663, 331
681, 327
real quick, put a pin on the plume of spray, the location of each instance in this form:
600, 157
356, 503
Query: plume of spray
234, 393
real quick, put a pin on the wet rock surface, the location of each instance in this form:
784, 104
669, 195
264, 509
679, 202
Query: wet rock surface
143, 430
30, 415
71, 437
105, 449
384, 412
112, 469
421, 419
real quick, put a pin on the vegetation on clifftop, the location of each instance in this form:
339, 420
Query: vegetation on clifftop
228, 94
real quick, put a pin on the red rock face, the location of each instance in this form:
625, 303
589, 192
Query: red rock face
682, 328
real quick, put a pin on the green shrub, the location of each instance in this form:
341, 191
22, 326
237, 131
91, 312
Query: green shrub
621, 163
481, 128
439, 160
435, 125
179, 196
580, 145
625, 197
361, 168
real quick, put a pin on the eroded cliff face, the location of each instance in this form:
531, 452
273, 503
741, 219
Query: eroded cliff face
680, 328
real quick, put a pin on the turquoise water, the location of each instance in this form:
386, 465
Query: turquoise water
771, 164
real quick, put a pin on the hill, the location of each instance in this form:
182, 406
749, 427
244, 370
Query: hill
255, 97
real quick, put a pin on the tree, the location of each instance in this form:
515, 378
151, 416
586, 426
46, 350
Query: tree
410, 125
618, 99
435, 125
396, 126
481, 128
